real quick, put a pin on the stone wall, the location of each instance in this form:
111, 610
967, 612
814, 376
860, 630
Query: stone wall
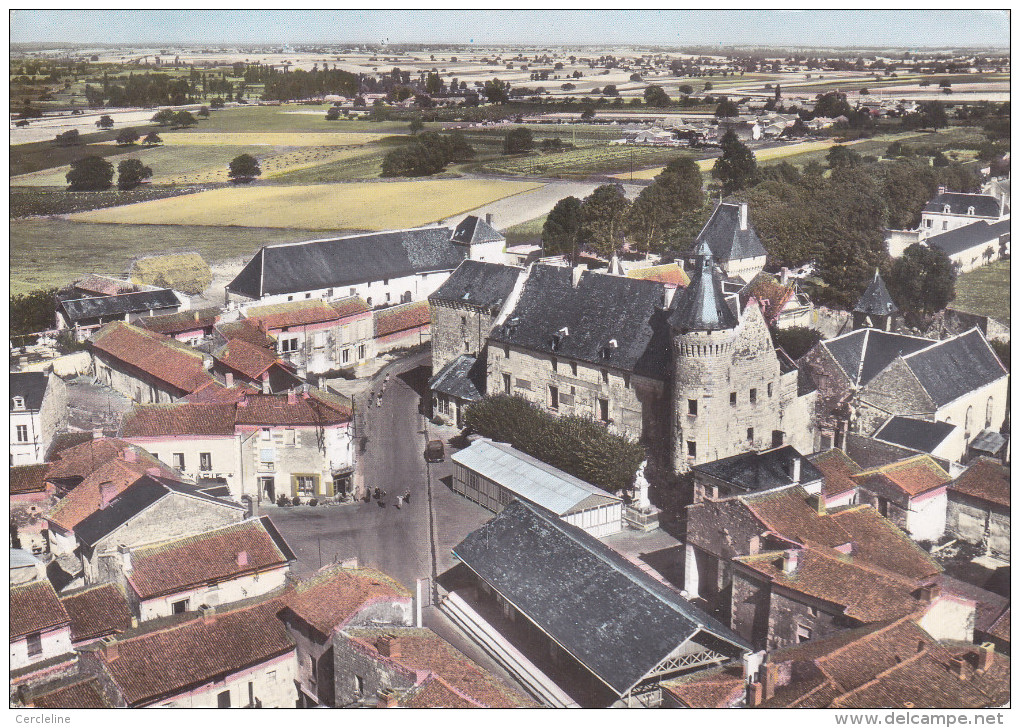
352, 663
456, 330
135, 385
894, 391
979, 523
272, 683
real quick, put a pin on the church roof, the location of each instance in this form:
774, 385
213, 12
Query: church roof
702, 305
876, 300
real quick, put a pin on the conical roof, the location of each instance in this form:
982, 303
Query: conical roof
702, 306
876, 300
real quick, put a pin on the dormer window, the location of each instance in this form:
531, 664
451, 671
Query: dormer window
946, 209
970, 210
19, 402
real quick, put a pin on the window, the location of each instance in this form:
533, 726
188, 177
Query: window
251, 693
265, 434
345, 356
205, 461
750, 434
352, 292
314, 668
329, 293
988, 413
19, 402
359, 685
803, 634
770, 389
555, 363
179, 460
319, 340
288, 345
826, 442
970, 210
290, 298
946, 209
308, 295
223, 699
945, 224
733, 399
369, 300
290, 436
927, 223
34, 644
604, 410
754, 395
523, 384
573, 368
361, 351
388, 297
692, 407
22, 433
692, 449
506, 383
305, 484
605, 376
179, 607
506, 352
554, 397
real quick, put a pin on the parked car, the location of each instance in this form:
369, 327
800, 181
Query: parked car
435, 452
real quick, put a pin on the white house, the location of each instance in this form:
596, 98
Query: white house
38, 403
40, 627
950, 210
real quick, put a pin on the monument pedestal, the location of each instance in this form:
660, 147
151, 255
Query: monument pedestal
641, 519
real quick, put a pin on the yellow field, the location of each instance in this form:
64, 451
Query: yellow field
356, 205
269, 139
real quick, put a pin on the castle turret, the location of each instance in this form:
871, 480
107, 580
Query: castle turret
875, 309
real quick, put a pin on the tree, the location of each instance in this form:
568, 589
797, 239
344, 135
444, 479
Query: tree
127, 137
660, 208
686, 89
708, 86
1002, 350
152, 139
89, 173
496, 91
603, 218
842, 156
922, 281
164, 117
933, 115
831, 105
32, 312
864, 92
105, 122
610, 90
796, 341
131, 173
655, 96
434, 84
518, 141
416, 125
737, 167
204, 112
727, 108
588, 113
244, 168
69, 138
216, 103
184, 119
559, 233
332, 113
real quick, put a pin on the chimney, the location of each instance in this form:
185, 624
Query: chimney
388, 646
752, 662
125, 558
110, 648
790, 560
754, 695
942, 189
488, 218
207, 362
305, 389
242, 558
795, 469
207, 612
291, 396
784, 275
768, 680
107, 492
130, 456
265, 383
743, 216
985, 656
930, 592
243, 402
387, 699
97, 434
575, 275
667, 296
196, 316
958, 666
818, 503
229, 376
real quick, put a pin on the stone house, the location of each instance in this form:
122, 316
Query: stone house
213, 568
402, 326
384, 268
335, 599
31, 498
242, 363
943, 441
40, 630
974, 245
867, 376
315, 337
755, 472
951, 210
38, 409
911, 493
836, 467
191, 327
733, 241
978, 511
97, 612
85, 315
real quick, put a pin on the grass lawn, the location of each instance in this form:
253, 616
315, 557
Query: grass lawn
356, 205
586, 161
290, 118
526, 233
48, 253
985, 291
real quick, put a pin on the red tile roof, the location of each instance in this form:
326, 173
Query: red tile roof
770, 294
423, 651
245, 330
28, 478
81, 460
722, 687
166, 360
250, 360
180, 418
985, 479
350, 306
216, 393
35, 608
1000, 628
402, 318
912, 476
104, 286
177, 323
214, 556
304, 313
158, 664
318, 408
84, 694
671, 274
116, 476
435, 692
836, 467
97, 611
334, 595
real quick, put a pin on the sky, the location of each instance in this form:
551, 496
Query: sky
821, 28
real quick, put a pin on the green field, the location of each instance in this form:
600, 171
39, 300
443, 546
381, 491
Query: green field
985, 291
526, 233
290, 117
584, 162
52, 253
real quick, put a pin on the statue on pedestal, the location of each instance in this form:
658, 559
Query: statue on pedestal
641, 501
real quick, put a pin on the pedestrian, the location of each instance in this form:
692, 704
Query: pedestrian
371, 396
400, 499
407, 497
379, 401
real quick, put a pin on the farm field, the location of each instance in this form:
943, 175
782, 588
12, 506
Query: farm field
585, 161
356, 205
51, 253
526, 233
985, 291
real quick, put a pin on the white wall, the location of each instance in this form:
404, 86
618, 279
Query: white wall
30, 452
273, 684
421, 286
54, 642
955, 412
225, 452
926, 519
227, 592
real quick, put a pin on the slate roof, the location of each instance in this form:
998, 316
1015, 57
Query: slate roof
334, 595
34, 607
473, 229
531, 479
757, 471
876, 301
989, 441
464, 683
723, 234
702, 306
607, 613
474, 283
912, 476
177, 323
206, 558
953, 367
125, 303
165, 661
30, 386
963, 238
960, 202
337, 262
602, 308
921, 435
404, 317
985, 479
28, 478
97, 611
464, 378
164, 359
179, 418
864, 353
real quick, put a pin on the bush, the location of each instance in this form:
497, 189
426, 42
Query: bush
90, 173
313, 502
297, 501
796, 341
282, 501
